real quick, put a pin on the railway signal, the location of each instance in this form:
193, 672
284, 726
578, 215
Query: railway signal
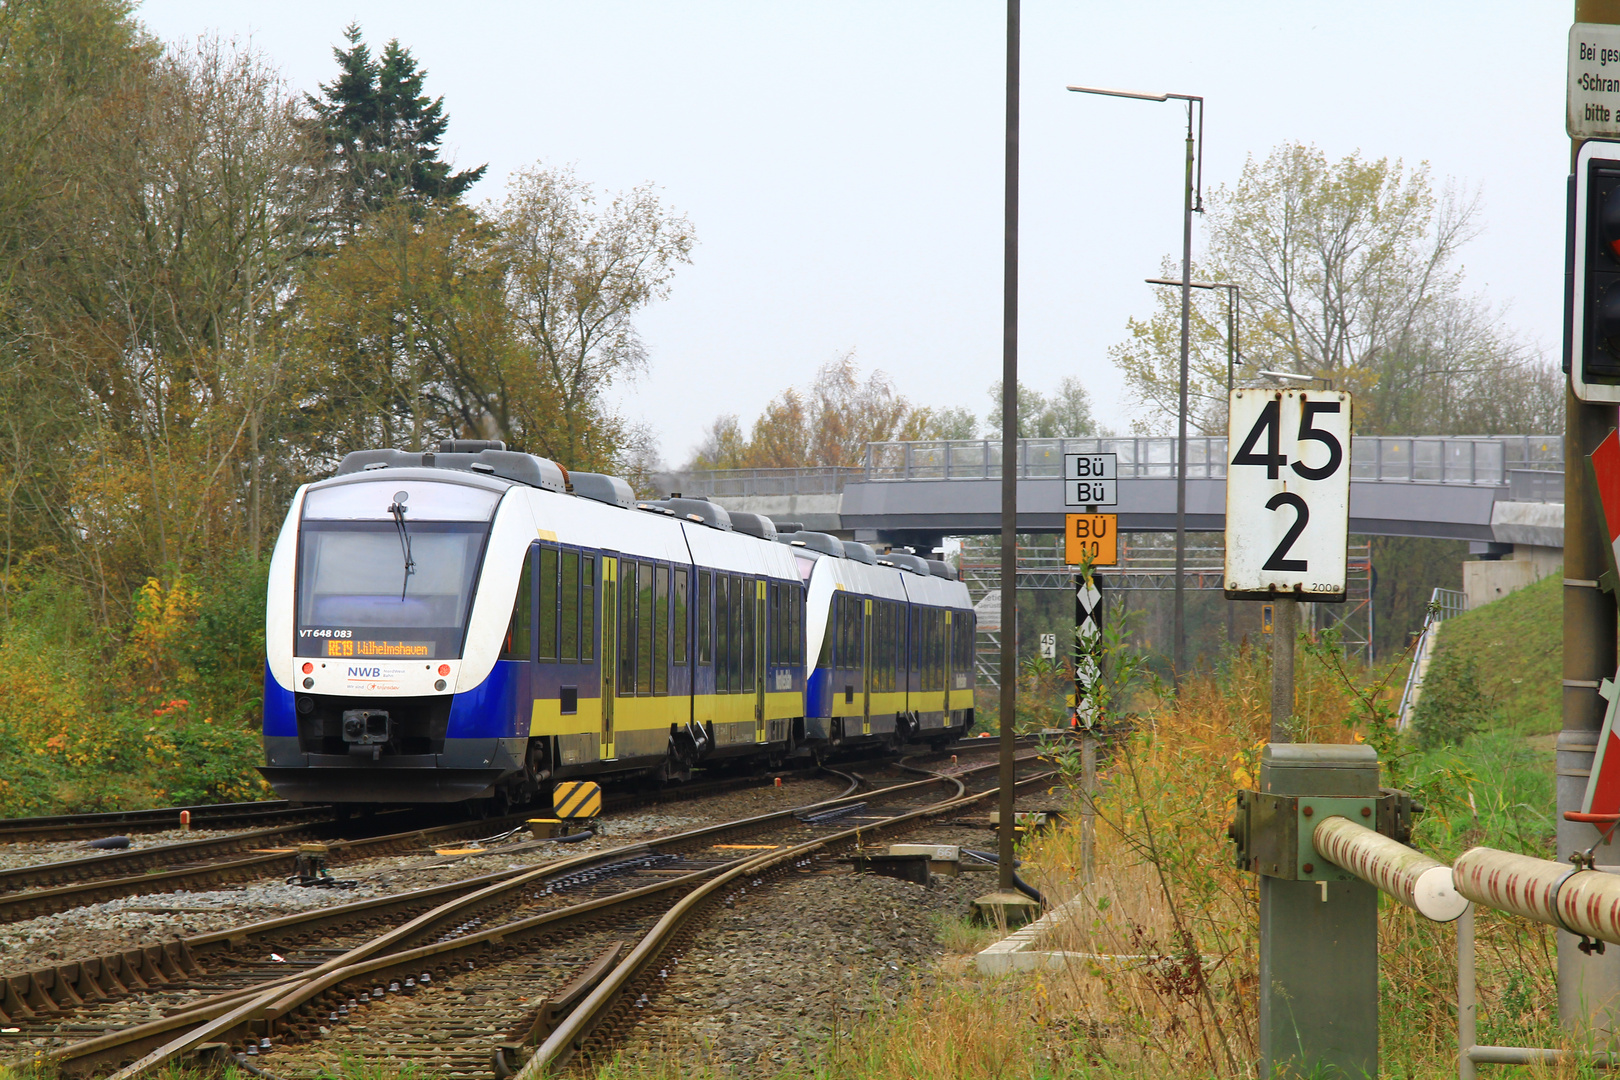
1088, 618
1594, 302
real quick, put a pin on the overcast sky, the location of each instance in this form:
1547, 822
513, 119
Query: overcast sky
842, 161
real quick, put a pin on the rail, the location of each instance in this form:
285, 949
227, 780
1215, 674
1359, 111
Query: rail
1443, 604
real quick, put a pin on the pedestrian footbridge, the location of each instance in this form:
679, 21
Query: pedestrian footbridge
1496, 491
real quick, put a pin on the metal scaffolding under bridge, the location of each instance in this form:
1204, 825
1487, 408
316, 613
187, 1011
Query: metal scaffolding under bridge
1147, 564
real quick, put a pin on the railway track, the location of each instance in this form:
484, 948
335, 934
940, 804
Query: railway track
504, 954
27, 892
220, 816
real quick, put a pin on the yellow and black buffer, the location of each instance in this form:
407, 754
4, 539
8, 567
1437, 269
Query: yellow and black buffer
576, 799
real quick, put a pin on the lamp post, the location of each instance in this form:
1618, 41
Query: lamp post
1192, 199
1232, 294
1233, 315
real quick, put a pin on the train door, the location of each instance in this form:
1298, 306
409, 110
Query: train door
866, 666
759, 661
609, 651
950, 671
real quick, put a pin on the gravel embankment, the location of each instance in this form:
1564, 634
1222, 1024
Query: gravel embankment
97, 929
772, 976
33, 854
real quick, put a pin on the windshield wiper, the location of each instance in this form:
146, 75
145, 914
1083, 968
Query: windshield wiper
397, 508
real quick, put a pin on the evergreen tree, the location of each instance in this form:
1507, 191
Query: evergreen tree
383, 132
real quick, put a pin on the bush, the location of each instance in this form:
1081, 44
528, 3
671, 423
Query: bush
1453, 704
165, 712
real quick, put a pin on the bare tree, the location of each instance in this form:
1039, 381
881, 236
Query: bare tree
1348, 271
577, 274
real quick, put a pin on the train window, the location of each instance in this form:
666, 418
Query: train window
861, 660
749, 592
795, 654
852, 634
884, 650
914, 648
644, 628
568, 640
852, 615
660, 649
679, 601
778, 624
901, 614
722, 629
735, 645
627, 627
902, 648
840, 632
705, 645
825, 657
587, 607
773, 596
520, 630
548, 603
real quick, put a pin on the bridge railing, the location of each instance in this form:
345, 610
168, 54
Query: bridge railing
740, 483
1530, 464
1441, 459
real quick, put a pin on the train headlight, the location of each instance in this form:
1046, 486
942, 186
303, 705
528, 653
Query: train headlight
440, 684
308, 682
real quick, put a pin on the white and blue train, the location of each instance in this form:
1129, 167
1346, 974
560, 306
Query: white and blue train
476, 622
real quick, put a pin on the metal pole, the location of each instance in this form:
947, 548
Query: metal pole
1467, 1003
1009, 458
1231, 347
1088, 812
1588, 986
1178, 654
1284, 628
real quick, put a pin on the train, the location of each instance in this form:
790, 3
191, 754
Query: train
472, 624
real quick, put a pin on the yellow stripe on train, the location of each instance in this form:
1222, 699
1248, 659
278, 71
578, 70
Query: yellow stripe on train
576, 799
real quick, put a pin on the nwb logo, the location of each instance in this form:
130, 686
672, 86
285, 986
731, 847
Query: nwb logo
365, 673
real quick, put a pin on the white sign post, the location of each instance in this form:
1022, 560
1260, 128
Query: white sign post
1287, 494
1090, 479
1048, 646
1592, 104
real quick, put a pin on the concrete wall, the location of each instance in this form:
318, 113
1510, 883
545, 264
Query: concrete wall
1488, 580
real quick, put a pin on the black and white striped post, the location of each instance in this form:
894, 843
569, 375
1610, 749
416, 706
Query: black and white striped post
1088, 641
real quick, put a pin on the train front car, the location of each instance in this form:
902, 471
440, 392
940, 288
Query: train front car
388, 604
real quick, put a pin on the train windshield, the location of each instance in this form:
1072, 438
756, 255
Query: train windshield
381, 576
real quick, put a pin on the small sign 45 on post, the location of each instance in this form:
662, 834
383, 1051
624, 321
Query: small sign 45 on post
1287, 494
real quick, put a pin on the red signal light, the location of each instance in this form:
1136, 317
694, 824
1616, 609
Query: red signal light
444, 669
308, 667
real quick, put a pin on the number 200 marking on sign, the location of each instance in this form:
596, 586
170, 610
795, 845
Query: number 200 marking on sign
1287, 494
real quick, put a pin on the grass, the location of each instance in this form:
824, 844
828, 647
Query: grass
1516, 645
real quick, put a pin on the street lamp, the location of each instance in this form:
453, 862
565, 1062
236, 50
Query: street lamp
1193, 199
1232, 315
1232, 294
